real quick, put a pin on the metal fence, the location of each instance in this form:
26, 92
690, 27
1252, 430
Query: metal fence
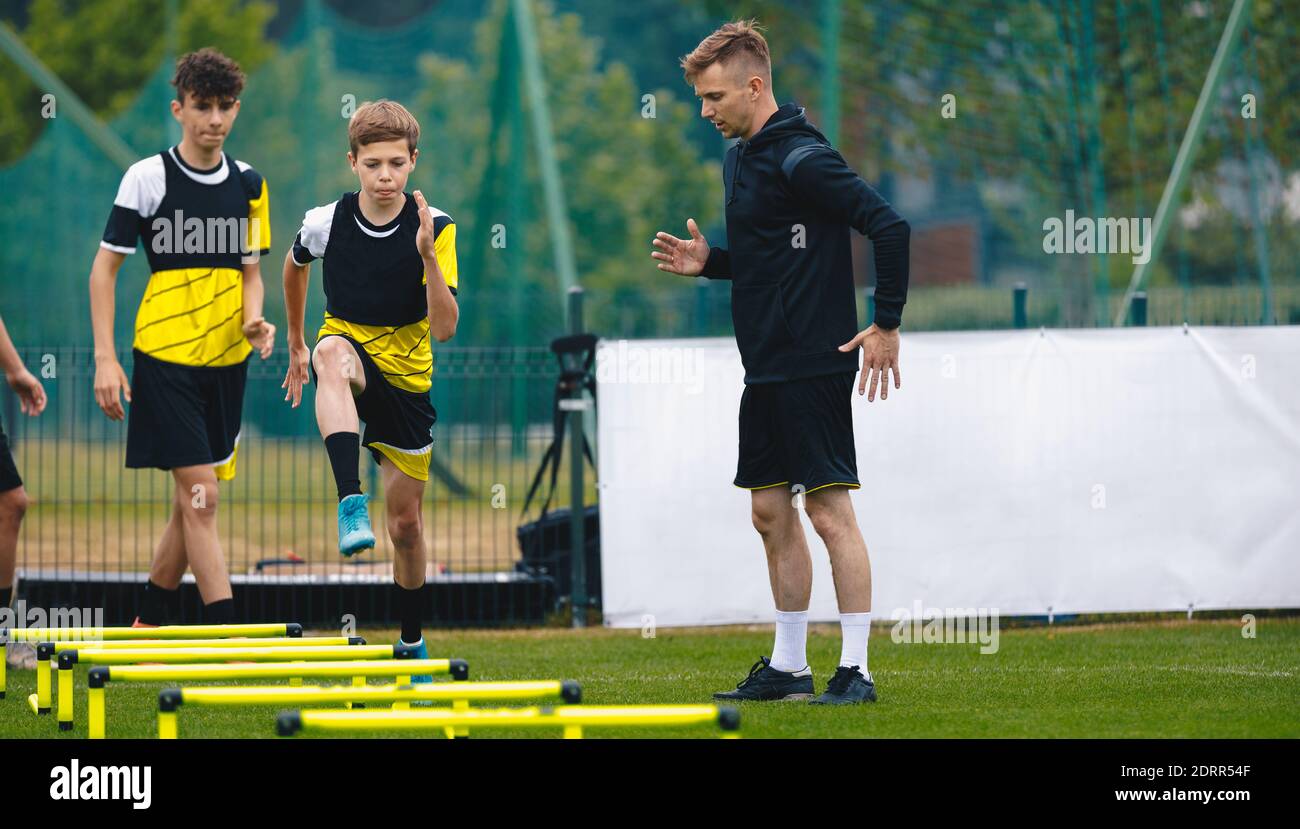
93, 525
1056, 108
90, 535
702, 308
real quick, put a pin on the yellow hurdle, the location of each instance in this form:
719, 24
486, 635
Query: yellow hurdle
570, 720
358, 670
48, 652
240, 642
170, 656
459, 694
89, 634
104, 634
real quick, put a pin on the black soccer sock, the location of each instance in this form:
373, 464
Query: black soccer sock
343, 448
409, 604
155, 603
220, 612
6, 595
171, 601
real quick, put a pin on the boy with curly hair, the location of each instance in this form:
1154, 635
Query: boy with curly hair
203, 218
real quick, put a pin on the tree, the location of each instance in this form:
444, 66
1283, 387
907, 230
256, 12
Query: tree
1064, 105
106, 50
625, 176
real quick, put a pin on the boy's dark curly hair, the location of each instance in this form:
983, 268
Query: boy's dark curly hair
207, 75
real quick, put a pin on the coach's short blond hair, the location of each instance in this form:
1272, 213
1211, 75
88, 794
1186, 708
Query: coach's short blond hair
381, 120
739, 39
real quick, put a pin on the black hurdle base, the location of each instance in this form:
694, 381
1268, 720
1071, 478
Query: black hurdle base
471, 600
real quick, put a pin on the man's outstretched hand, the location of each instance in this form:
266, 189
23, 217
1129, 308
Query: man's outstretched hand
879, 355
682, 256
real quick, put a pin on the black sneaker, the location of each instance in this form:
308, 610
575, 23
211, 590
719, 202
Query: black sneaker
767, 683
847, 687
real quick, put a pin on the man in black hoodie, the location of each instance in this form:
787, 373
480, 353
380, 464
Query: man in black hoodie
791, 200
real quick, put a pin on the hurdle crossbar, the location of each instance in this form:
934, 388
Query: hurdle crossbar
401, 669
7, 635
570, 719
45, 656
459, 694
172, 644
292, 629
68, 659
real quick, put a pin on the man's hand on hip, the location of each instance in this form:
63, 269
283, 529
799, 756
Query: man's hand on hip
879, 355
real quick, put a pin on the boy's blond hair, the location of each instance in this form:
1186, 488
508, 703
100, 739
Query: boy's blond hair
382, 120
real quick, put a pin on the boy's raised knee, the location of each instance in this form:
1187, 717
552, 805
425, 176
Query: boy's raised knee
332, 358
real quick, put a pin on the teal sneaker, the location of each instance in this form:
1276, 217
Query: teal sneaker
421, 652
355, 534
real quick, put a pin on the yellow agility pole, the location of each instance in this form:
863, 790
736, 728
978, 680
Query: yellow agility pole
4, 645
463, 733
92, 634
173, 644
459, 694
5, 639
101, 675
194, 656
40, 701
68, 659
43, 685
569, 719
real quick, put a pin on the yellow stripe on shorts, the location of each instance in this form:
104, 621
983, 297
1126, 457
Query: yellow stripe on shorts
413, 463
226, 469
401, 352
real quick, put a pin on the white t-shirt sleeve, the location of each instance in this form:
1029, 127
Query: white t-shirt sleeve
314, 235
138, 196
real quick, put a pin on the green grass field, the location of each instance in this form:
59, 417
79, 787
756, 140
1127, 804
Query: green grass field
1140, 679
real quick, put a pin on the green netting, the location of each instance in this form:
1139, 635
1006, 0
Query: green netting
1061, 104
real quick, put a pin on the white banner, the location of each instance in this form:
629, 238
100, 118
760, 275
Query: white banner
1062, 471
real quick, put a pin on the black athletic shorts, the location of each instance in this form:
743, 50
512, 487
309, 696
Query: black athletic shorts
8, 470
798, 432
184, 415
399, 423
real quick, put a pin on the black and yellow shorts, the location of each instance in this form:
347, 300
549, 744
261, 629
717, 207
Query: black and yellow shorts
184, 415
798, 433
399, 423
8, 469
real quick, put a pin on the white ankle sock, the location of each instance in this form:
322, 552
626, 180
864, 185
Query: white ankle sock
790, 653
854, 628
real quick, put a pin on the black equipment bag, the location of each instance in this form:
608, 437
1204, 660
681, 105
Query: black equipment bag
546, 544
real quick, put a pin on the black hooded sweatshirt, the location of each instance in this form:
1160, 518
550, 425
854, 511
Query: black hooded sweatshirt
791, 200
